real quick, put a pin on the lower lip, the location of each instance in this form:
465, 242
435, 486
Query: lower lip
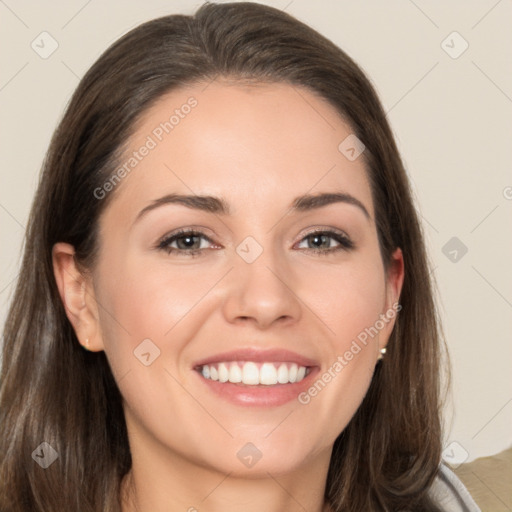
262, 396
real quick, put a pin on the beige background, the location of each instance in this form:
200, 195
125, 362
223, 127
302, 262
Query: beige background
451, 116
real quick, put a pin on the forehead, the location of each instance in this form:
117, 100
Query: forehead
258, 145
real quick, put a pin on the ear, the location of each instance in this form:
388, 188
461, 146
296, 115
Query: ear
77, 295
394, 282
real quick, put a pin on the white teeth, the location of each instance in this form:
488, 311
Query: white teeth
268, 374
223, 373
235, 373
292, 372
282, 374
252, 374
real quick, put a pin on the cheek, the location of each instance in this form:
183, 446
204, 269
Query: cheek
348, 298
148, 301
159, 304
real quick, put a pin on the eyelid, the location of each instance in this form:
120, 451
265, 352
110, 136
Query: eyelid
324, 229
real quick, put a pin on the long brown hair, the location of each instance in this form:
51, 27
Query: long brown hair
54, 391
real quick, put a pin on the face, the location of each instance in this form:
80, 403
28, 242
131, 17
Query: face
289, 296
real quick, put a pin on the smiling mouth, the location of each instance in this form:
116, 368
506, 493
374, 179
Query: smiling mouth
251, 373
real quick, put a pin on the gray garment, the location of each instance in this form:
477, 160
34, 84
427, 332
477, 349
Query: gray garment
451, 494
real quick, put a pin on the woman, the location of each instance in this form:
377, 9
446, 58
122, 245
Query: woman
224, 224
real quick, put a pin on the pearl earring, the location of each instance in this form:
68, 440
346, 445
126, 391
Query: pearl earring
86, 346
381, 355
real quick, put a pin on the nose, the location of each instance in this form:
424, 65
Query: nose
262, 292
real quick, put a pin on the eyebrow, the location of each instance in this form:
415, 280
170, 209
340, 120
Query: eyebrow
219, 206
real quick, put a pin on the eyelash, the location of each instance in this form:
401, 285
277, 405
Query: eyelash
344, 242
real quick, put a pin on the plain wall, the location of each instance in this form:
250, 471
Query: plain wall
451, 115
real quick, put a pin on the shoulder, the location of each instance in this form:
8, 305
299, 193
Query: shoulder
450, 493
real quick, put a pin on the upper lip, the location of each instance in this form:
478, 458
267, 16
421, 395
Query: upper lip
258, 356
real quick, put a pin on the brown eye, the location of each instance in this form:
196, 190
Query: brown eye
187, 242
321, 242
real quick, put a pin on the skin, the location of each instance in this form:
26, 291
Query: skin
258, 147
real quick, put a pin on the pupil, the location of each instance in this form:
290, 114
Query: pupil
320, 238
187, 241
